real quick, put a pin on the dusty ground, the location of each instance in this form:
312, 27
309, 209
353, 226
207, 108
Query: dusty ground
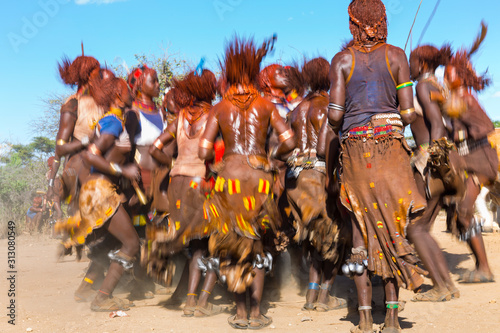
44, 299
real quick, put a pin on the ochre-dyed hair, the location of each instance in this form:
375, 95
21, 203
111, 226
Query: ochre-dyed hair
221, 86
169, 95
105, 72
315, 73
466, 72
201, 88
136, 78
241, 63
432, 56
295, 80
77, 73
265, 77
102, 88
367, 21
122, 92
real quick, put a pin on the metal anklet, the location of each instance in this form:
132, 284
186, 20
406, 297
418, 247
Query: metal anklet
364, 307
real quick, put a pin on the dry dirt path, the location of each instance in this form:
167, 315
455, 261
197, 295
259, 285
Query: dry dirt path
44, 299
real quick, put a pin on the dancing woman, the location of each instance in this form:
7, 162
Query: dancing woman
428, 129
194, 94
369, 81
242, 209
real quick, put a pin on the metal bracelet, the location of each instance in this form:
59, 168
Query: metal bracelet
473, 230
211, 264
115, 169
158, 144
336, 107
94, 150
51, 182
407, 111
264, 262
204, 143
119, 257
285, 135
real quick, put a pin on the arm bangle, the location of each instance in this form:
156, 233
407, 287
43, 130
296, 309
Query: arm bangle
204, 143
60, 142
407, 111
94, 150
56, 161
285, 135
115, 169
404, 85
172, 134
158, 144
51, 182
336, 107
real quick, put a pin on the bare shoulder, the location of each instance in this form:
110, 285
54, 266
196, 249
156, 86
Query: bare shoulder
422, 88
70, 106
342, 58
265, 104
214, 110
304, 105
299, 109
318, 106
395, 52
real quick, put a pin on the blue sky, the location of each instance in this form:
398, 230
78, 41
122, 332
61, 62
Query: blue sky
35, 34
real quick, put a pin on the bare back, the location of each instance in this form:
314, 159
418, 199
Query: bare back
340, 70
298, 121
316, 116
244, 131
307, 120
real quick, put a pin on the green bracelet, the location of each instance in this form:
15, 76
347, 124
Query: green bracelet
404, 85
392, 306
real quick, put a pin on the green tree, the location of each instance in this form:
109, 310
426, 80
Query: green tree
38, 150
167, 67
22, 170
48, 123
23, 167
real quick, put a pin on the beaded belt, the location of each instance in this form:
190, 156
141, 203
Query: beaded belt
468, 146
369, 132
294, 170
377, 131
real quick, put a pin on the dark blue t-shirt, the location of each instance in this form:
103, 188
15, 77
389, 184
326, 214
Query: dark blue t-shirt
110, 125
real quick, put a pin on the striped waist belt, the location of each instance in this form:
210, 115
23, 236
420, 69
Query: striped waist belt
380, 125
468, 146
